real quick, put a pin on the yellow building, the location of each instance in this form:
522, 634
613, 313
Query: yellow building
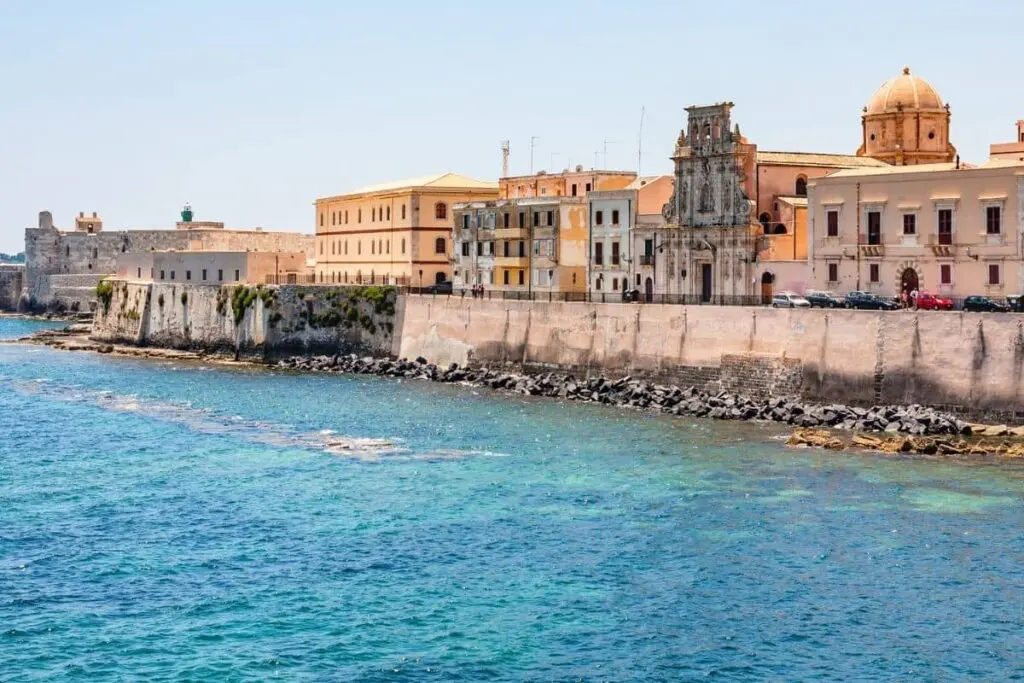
397, 233
532, 247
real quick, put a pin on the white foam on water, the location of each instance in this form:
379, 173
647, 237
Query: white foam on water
207, 421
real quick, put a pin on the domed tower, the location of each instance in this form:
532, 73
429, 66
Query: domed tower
906, 123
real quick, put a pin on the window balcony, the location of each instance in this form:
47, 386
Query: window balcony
511, 233
647, 259
872, 250
512, 261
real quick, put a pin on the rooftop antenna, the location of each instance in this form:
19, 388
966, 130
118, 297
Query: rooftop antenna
533, 143
551, 160
606, 143
640, 145
504, 158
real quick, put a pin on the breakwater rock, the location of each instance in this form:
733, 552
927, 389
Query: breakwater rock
628, 392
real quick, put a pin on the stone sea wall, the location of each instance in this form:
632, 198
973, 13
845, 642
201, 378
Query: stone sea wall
252, 321
971, 363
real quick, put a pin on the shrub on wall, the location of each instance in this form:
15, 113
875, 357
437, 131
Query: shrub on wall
105, 293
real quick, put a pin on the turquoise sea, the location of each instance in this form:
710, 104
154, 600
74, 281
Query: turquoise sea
167, 521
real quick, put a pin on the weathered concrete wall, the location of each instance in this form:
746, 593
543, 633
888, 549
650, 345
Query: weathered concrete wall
12, 277
962, 361
273, 321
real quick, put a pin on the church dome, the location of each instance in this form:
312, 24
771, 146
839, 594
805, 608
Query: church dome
911, 92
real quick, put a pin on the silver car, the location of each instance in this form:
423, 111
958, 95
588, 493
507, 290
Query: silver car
789, 300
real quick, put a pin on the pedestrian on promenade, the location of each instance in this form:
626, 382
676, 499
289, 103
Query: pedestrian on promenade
904, 298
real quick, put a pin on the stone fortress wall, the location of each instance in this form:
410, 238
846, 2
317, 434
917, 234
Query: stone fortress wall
12, 278
52, 256
970, 363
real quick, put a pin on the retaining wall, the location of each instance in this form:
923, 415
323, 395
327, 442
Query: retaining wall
968, 362
287, 319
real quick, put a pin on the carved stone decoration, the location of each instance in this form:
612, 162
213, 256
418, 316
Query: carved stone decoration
707, 202
682, 198
726, 199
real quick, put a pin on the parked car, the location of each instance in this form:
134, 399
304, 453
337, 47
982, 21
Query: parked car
440, 288
1015, 302
929, 302
984, 304
870, 302
824, 299
789, 300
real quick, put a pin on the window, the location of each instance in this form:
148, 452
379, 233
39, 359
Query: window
359, 247
389, 213
359, 216
993, 274
801, 186
551, 217
346, 216
439, 246
237, 276
465, 248
346, 247
140, 273
945, 274
833, 272
615, 284
536, 218
172, 274
373, 214
504, 220
387, 246
188, 274
599, 218
204, 274
945, 226
440, 211
403, 245
598, 254
909, 224
522, 277
615, 253
833, 223
479, 248
161, 275
874, 227
522, 219
321, 248
333, 214
321, 220
597, 283
615, 216
506, 275
573, 189
373, 247
993, 223
873, 273
220, 274
465, 221
588, 187
403, 212
522, 248
333, 245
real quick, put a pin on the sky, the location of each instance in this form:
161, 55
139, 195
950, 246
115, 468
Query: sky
251, 110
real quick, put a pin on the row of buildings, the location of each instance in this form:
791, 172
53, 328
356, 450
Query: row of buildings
732, 222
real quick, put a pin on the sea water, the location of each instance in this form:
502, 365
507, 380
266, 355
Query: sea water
175, 521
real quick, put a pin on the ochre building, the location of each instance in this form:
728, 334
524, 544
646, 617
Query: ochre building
397, 233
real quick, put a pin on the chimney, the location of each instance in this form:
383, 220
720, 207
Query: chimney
81, 214
94, 214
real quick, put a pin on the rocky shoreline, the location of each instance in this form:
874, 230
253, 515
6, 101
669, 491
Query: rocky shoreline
627, 392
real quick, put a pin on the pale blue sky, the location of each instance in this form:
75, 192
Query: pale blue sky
250, 110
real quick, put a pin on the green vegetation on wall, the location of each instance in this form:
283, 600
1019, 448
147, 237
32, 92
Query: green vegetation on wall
105, 293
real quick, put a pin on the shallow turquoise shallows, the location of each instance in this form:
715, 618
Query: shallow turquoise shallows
165, 521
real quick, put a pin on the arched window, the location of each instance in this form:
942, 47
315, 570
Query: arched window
441, 211
346, 247
359, 247
373, 247
332, 248
439, 246
780, 229
765, 220
801, 186
359, 216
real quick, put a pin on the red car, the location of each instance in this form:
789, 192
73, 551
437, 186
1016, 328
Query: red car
930, 302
